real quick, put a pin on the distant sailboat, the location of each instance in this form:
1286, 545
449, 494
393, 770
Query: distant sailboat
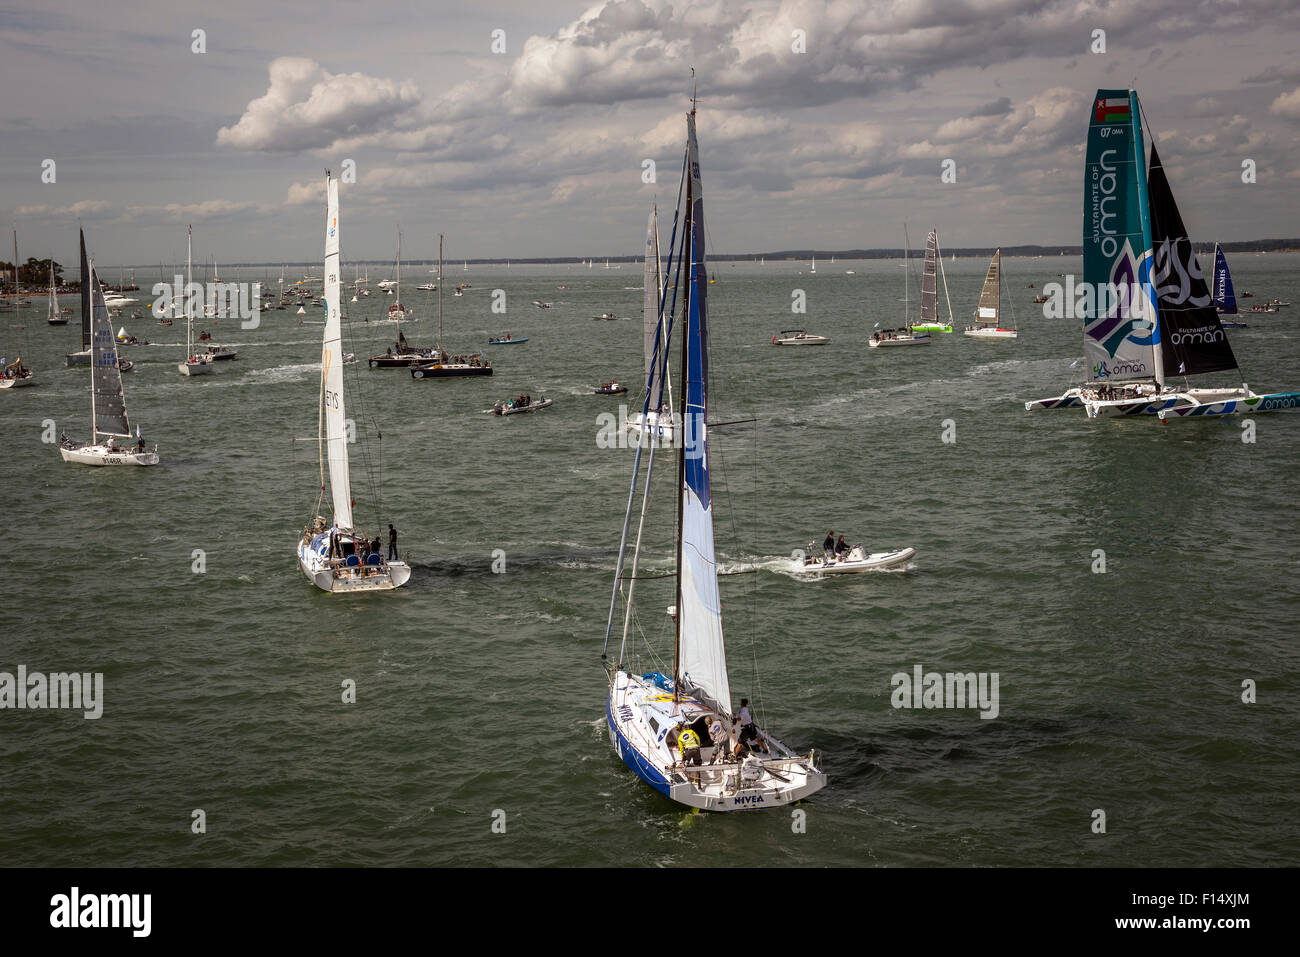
397, 312
335, 557
658, 420
108, 421
989, 312
441, 365
55, 316
1225, 301
929, 289
902, 336
196, 363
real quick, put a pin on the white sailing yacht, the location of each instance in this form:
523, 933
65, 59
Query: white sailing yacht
335, 556
681, 733
989, 312
397, 312
196, 363
656, 419
902, 336
108, 421
55, 316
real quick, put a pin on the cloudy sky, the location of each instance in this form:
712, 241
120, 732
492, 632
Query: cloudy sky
827, 138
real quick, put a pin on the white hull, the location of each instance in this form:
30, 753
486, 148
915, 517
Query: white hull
801, 341
7, 383
856, 561
656, 424
338, 579
203, 367
988, 332
1151, 402
102, 455
640, 713
899, 341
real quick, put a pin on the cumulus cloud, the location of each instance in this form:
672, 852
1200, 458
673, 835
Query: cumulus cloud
1287, 105
87, 207
307, 107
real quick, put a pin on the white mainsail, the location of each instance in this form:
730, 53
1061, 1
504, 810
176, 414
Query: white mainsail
332, 370
991, 295
702, 657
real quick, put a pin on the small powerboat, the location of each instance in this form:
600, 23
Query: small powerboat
857, 559
611, 388
798, 337
515, 406
506, 340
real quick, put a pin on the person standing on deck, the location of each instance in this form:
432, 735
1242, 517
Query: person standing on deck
392, 543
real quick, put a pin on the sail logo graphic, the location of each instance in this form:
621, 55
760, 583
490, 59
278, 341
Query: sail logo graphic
1176, 273
1130, 368
1105, 180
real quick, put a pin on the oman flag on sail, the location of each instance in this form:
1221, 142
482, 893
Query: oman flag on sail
1113, 110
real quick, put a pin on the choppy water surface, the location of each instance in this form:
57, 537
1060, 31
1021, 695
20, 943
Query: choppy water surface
479, 691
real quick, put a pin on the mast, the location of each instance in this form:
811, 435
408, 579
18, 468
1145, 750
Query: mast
399, 246
54, 295
907, 280
943, 273
399, 274
189, 304
15, 261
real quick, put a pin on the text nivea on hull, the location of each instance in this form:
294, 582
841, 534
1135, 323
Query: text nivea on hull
335, 556
653, 718
1148, 315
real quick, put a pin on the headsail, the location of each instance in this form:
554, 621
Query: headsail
1120, 336
702, 659
332, 368
929, 287
85, 296
105, 376
1193, 337
1225, 300
991, 295
650, 311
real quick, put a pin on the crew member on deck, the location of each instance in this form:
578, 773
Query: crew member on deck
841, 547
392, 543
828, 546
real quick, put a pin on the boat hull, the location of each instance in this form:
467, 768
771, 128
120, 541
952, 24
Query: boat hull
876, 561
195, 368
931, 327
353, 579
448, 371
987, 333
657, 426
17, 383
1272, 402
99, 455
775, 781
921, 340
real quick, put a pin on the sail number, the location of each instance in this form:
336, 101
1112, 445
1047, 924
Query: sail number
332, 400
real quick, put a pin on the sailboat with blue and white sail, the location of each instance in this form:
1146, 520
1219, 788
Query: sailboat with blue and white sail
681, 732
1225, 300
1147, 313
335, 556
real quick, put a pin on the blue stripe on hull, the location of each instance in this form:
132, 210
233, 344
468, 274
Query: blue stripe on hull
632, 757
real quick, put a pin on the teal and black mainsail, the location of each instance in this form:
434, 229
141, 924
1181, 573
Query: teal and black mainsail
1120, 335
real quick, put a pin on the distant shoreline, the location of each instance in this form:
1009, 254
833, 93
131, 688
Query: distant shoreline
784, 255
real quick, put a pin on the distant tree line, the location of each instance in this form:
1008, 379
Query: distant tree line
34, 272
